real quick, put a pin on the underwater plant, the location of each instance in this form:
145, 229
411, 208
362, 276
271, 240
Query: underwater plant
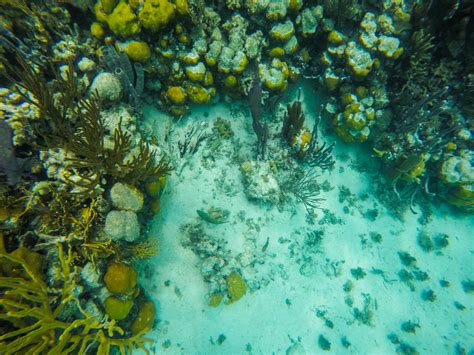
35, 310
293, 121
303, 185
70, 121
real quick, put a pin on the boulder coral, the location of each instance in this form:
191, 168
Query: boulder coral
145, 318
156, 14
122, 21
120, 278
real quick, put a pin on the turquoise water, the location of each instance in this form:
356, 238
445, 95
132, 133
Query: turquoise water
349, 286
236, 177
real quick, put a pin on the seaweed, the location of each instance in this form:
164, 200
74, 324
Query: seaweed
303, 185
441, 241
444, 283
406, 349
425, 242
344, 342
313, 240
358, 273
468, 286
293, 121
365, 315
409, 327
323, 343
428, 295
34, 309
407, 277
406, 259
316, 155
319, 155
72, 122
376, 237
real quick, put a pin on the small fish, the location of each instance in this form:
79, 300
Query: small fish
213, 218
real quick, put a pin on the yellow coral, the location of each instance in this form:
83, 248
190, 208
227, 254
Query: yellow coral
97, 30
462, 196
301, 140
332, 82
156, 14
116, 308
123, 21
336, 37
295, 5
355, 121
182, 7
155, 206
145, 318
208, 78
277, 52
184, 38
282, 31
417, 170
197, 94
236, 287
230, 81
108, 5
154, 187
176, 95
241, 62
120, 278
215, 299
196, 72
100, 14
138, 51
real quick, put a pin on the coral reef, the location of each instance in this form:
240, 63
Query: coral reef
81, 172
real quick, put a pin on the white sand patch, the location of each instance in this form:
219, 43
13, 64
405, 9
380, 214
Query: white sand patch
284, 310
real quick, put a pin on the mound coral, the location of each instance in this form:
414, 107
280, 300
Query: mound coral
236, 287
138, 51
116, 308
120, 278
145, 318
156, 14
123, 21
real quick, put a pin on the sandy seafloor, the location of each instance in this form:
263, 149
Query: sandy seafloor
284, 310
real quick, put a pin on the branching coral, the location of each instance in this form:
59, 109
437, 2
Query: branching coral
303, 185
71, 122
293, 121
34, 308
